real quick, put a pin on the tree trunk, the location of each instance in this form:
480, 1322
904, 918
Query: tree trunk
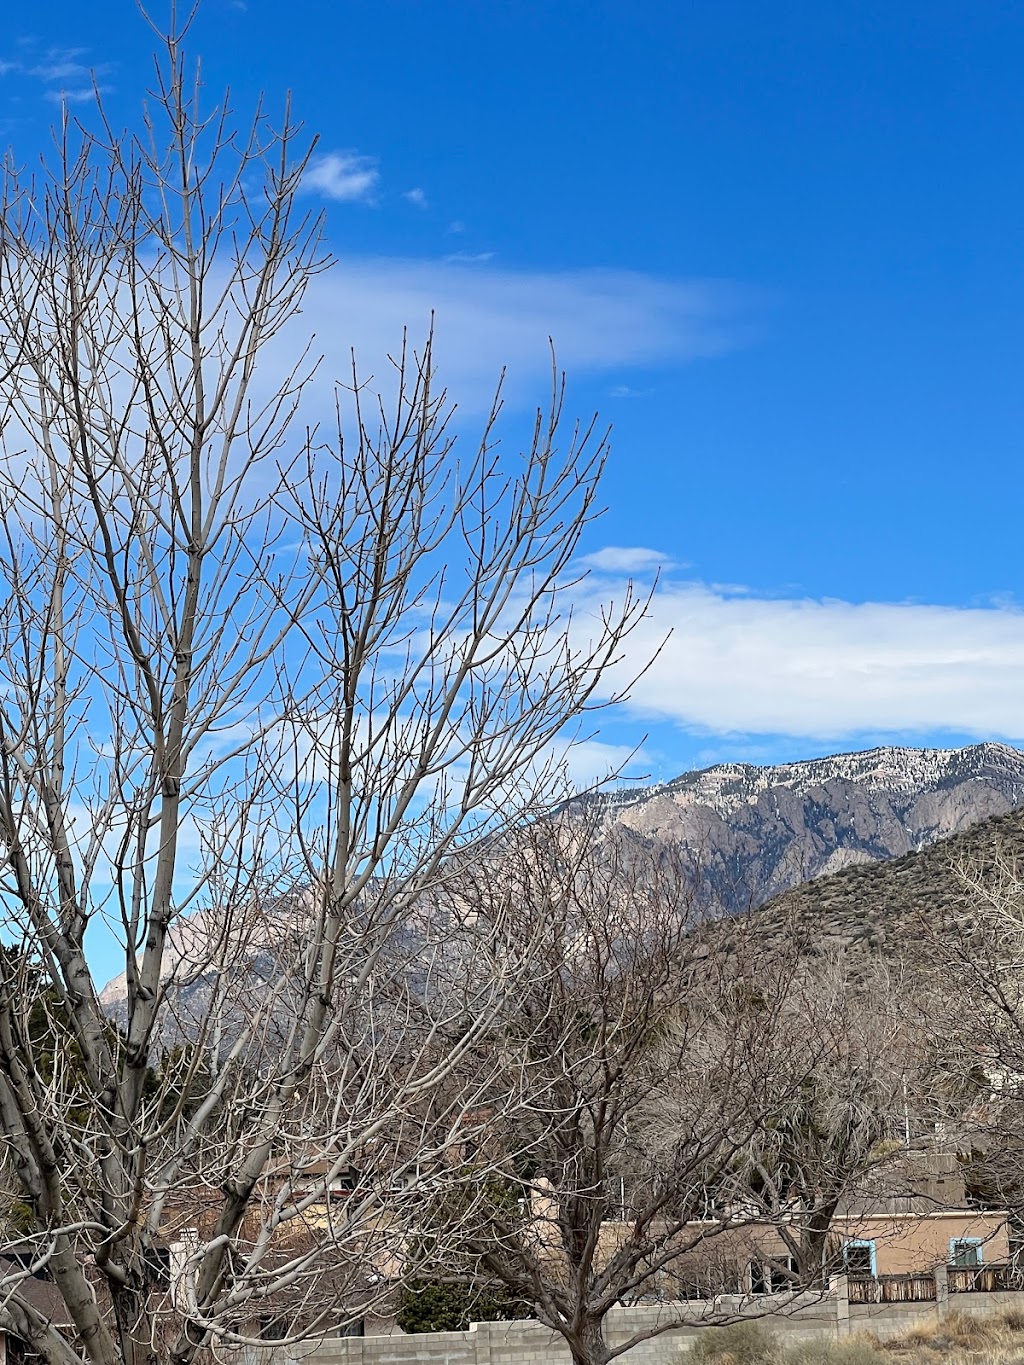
588, 1345
814, 1246
135, 1326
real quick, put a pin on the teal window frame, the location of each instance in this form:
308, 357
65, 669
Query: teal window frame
862, 1242
976, 1243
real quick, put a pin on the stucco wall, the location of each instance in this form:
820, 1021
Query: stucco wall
907, 1244
914, 1243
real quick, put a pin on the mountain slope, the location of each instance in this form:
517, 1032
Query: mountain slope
878, 908
756, 831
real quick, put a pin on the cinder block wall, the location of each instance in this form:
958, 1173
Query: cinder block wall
811, 1317
893, 1319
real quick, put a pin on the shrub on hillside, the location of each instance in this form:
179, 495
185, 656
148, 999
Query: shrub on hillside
955, 1331
753, 1343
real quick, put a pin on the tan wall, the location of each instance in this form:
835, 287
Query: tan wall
904, 1244
908, 1243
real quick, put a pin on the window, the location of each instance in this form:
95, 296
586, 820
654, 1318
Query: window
859, 1258
345, 1183
771, 1277
24, 1260
273, 1329
965, 1252
355, 1328
158, 1266
784, 1273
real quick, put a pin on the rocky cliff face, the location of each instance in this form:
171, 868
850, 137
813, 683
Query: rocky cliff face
756, 831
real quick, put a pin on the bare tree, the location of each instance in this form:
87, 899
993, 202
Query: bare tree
977, 945
598, 1205
260, 682
847, 1066
972, 958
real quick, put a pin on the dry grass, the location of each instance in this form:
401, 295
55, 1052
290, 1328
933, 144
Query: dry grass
855, 1350
962, 1339
957, 1339
741, 1343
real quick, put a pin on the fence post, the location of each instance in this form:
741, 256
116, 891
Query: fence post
481, 1342
839, 1289
941, 1290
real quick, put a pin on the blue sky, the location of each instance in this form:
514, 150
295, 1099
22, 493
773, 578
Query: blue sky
778, 246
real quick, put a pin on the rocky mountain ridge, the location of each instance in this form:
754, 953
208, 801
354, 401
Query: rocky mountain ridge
754, 832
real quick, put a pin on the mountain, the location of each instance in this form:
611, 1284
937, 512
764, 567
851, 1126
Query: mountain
882, 909
754, 832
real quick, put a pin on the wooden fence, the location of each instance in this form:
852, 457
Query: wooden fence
984, 1279
893, 1289
975, 1279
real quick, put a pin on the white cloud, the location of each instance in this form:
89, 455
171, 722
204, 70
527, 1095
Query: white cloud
593, 762
62, 69
492, 317
470, 257
343, 176
627, 559
417, 198
66, 79
824, 669
78, 95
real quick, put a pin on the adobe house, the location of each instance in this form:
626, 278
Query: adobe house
917, 1219
913, 1221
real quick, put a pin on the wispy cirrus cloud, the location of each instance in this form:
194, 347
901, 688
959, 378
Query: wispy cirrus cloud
492, 317
63, 67
734, 663
79, 94
345, 177
417, 197
66, 77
